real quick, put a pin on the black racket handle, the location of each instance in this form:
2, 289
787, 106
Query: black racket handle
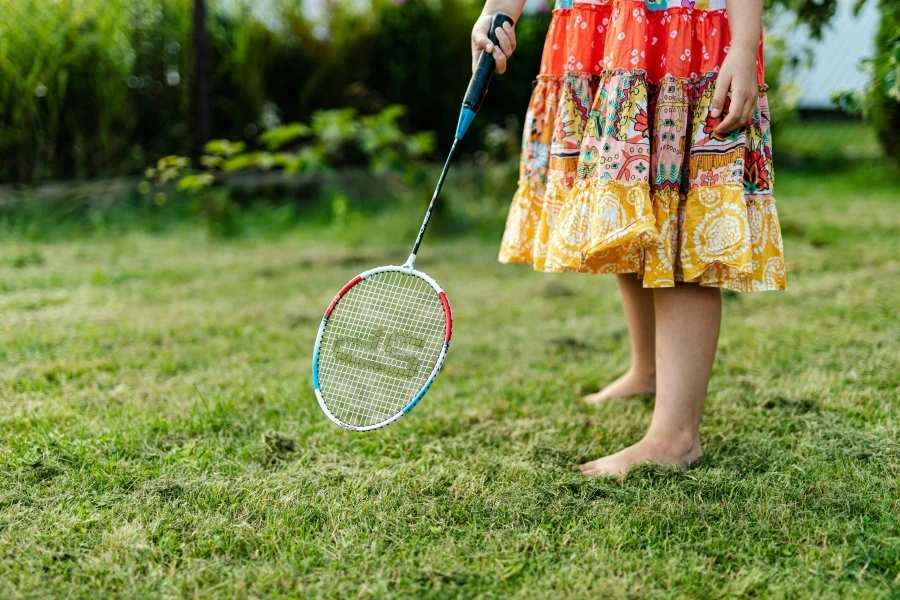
478, 85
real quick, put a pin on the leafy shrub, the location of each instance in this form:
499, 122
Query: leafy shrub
814, 14
424, 54
331, 139
62, 93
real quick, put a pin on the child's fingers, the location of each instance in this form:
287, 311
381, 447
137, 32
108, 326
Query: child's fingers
511, 32
750, 108
503, 39
499, 59
501, 51
731, 122
480, 42
736, 113
720, 94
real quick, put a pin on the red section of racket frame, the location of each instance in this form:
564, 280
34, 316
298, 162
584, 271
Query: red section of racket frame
447, 315
341, 293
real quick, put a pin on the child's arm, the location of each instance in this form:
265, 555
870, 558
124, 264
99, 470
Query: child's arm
506, 35
738, 72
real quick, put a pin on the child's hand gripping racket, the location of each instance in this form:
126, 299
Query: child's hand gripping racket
384, 336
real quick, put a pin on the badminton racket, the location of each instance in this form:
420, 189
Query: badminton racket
386, 333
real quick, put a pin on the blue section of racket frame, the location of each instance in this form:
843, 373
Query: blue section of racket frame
428, 383
315, 362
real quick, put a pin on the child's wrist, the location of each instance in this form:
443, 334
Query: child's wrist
511, 8
745, 50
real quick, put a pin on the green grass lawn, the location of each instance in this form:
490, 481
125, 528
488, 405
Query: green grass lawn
160, 438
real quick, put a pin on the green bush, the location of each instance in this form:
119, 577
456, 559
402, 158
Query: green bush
424, 55
324, 66
62, 93
886, 89
331, 139
814, 14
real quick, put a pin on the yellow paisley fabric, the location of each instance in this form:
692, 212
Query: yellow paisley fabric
714, 235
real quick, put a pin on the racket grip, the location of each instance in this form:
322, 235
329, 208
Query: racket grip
478, 85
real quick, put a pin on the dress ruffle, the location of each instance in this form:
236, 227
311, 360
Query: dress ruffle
621, 170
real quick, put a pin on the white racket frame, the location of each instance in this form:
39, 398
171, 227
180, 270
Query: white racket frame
406, 269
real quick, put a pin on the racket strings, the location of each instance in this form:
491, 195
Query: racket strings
380, 346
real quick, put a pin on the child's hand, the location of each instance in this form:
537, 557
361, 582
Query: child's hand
737, 75
506, 35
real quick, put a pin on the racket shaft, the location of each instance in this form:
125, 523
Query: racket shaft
434, 197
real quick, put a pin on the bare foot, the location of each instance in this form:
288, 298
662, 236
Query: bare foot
629, 384
647, 450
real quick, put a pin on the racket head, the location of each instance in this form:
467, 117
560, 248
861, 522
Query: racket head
380, 345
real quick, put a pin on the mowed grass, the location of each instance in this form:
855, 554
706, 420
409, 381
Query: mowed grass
160, 438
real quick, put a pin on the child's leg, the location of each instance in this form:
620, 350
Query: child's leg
641, 376
687, 332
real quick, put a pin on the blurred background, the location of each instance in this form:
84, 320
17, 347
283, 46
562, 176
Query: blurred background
140, 113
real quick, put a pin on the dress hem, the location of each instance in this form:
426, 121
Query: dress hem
715, 235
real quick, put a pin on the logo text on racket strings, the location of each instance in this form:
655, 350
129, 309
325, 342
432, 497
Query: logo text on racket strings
367, 344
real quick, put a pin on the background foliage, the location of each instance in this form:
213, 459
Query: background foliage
101, 87
104, 87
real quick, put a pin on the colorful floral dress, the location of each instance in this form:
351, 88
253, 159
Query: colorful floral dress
621, 169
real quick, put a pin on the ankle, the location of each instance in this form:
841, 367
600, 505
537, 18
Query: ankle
681, 442
643, 373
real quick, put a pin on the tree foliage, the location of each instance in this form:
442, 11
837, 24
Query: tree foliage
885, 87
880, 99
815, 14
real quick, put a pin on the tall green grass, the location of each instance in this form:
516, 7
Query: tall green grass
74, 73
